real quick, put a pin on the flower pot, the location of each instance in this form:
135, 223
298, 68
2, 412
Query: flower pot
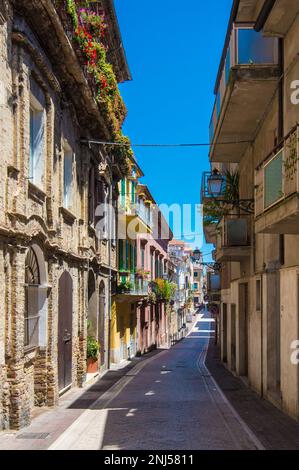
92, 365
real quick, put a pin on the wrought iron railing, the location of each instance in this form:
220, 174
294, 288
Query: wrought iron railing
277, 177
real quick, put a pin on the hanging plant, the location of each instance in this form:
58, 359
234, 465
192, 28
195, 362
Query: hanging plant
290, 164
89, 33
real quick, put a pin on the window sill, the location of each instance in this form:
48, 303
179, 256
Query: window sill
36, 193
67, 215
30, 352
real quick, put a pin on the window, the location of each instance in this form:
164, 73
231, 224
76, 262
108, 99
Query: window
37, 141
195, 274
142, 256
152, 265
121, 255
133, 199
195, 286
123, 193
91, 189
31, 317
67, 179
113, 212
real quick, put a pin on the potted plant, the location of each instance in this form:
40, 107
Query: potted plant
125, 287
93, 348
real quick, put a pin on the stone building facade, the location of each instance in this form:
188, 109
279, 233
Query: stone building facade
55, 269
257, 243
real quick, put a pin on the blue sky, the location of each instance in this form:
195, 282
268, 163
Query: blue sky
173, 50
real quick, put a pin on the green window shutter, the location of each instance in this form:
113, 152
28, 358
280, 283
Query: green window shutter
121, 254
127, 255
134, 258
133, 192
123, 192
273, 180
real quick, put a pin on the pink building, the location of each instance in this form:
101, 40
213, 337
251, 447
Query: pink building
153, 264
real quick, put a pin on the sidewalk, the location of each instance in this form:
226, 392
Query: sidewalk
274, 429
49, 423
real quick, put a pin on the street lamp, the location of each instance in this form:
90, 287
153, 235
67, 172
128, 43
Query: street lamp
216, 183
197, 255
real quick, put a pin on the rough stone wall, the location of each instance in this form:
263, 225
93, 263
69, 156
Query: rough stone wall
36, 215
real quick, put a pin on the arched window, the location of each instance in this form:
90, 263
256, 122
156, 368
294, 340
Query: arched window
31, 318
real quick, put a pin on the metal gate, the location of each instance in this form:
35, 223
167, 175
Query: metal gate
65, 314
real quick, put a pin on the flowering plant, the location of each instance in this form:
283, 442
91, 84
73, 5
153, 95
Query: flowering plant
143, 274
164, 290
89, 29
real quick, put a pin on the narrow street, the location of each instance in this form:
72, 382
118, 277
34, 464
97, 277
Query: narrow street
170, 402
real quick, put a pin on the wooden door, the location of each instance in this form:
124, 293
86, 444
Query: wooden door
65, 320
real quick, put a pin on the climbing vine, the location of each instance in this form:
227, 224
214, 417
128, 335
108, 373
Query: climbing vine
290, 164
88, 32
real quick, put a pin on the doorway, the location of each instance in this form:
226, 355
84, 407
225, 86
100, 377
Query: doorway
243, 330
233, 336
65, 321
224, 333
92, 324
273, 334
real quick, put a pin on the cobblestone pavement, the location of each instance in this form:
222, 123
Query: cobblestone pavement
169, 401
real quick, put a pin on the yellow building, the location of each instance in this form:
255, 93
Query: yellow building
131, 289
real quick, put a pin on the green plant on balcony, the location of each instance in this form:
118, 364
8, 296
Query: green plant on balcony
232, 185
89, 33
164, 290
142, 274
125, 287
290, 164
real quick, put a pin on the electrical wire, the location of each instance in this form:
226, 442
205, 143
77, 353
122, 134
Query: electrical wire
124, 144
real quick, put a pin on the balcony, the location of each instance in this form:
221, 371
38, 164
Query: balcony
135, 215
144, 214
233, 240
281, 18
277, 189
246, 82
132, 289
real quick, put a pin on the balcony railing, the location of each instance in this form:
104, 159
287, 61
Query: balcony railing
134, 287
233, 232
246, 47
277, 178
144, 214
